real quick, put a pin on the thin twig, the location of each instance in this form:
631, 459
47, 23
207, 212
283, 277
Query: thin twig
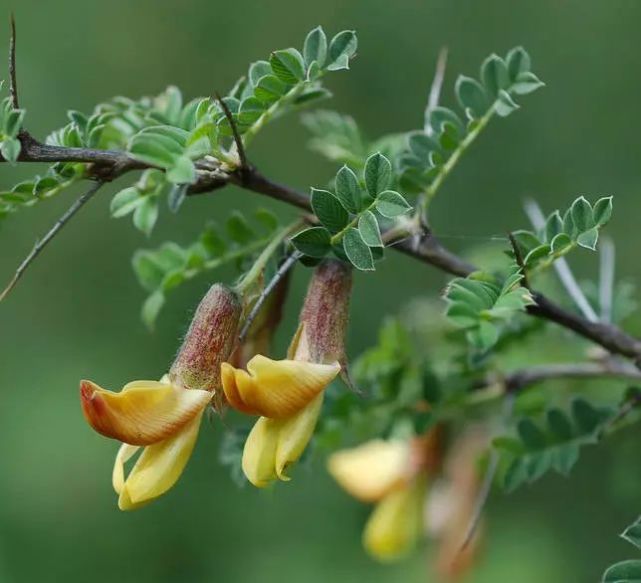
606, 278
42, 243
488, 479
244, 165
435, 88
13, 85
534, 213
269, 288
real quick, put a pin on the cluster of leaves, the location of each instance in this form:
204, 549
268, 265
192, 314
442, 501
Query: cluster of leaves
350, 216
163, 269
446, 134
552, 445
11, 120
289, 79
579, 226
627, 571
481, 305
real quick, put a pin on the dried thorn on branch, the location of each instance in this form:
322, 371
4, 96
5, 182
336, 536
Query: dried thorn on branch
269, 288
244, 165
13, 86
42, 243
435, 88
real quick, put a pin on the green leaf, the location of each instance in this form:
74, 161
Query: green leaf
378, 174
494, 75
357, 250
258, 70
560, 243
391, 204
151, 308
288, 65
125, 202
588, 239
582, 214
527, 83
146, 215
530, 434
602, 210
238, 229
341, 50
348, 190
10, 149
505, 105
559, 424
518, 62
369, 229
472, 96
633, 534
329, 210
624, 572
314, 242
315, 48
270, 89
176, 197
183, 171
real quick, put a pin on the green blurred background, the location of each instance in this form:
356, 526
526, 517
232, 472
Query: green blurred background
76, 312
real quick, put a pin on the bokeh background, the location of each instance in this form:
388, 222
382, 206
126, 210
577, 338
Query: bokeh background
76, 312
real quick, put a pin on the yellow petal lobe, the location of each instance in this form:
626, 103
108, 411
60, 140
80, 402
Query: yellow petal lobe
159, 467
125, 453
259, 453
371, 470
276, 388
396, 523
144, 412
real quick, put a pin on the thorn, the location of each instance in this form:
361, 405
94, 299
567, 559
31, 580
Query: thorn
42, 243
435, 88
13, 86
244, 165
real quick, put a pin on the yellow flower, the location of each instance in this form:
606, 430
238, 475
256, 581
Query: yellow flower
157, 415
164, 416
384, 472
288, 394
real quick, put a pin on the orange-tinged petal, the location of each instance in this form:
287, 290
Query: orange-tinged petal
259, 453
276, 388
294, 435
371, 470
144, 412
159, 467
396, 523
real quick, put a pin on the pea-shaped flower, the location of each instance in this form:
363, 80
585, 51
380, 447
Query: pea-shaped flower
288, 394
163, 417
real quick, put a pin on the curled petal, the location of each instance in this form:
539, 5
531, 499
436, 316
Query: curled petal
259, 453
368, 472
159, 467
276, 388
125, 453
396, 523
144, 412
294, 436
275, 444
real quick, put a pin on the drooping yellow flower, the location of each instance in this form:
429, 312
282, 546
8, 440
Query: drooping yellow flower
288, 394
393, 475
164, 416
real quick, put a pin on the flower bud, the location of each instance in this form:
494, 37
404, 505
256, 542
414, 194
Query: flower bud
209, 341
325, 313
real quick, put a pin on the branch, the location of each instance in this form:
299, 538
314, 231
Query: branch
42, 243
240, 148
608, 368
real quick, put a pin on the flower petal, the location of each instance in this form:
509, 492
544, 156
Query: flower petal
396, 523
368, 472
144, 412
259, 453
159, 467
294, 436
125, 453
276, 388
